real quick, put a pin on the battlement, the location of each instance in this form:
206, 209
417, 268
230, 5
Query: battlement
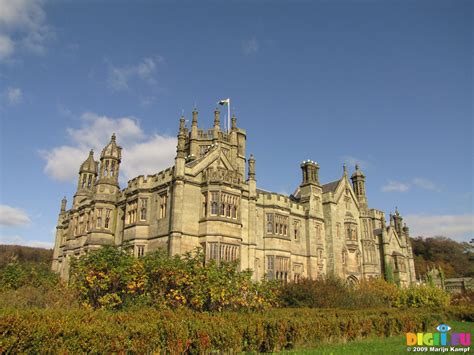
149, 181
203, 134
273, 198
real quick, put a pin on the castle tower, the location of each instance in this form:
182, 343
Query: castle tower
312, 198
358, 183
87, 178
109, 163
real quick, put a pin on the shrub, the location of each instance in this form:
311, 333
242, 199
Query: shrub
422, 295
164, 331
335, 293
15, 275
110, 278
463, 298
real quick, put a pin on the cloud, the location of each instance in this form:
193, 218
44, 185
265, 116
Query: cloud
425, 184
23, 25
120, 77
142, 153
6, 46
18, 240
400, 186
14, 96
250, 46
459, 227
13, 217
393, 185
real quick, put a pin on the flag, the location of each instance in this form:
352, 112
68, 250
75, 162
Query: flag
224, 102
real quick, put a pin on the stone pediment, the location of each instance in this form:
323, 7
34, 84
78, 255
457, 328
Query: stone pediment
215, 159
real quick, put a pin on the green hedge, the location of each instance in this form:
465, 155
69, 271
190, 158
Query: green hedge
151, 330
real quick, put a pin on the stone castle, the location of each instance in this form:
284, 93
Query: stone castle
207, 200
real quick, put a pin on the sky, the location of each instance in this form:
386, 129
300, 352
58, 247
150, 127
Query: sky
385, 84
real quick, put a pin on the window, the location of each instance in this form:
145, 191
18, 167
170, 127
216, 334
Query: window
140, 250
89, 181
163, 205
214, 202
296, 229
143, 208
222, 252
351, 231
344, 257
269, 222
270, 262
112, 168
84, 176
132, 212
107, 218
106, 170
338, 230
280, 226
99, 218
282, 268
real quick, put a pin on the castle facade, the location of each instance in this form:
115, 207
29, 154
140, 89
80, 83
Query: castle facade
210, 199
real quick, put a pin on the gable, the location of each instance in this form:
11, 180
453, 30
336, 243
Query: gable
341, 192
215, 158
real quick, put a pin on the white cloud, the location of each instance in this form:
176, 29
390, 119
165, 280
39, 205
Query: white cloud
142, 154
119, 77
250, 46
14, 96
400, 186
6, 46
13, 217
459, 227
425, 184
23, 25
393, 185
18, 240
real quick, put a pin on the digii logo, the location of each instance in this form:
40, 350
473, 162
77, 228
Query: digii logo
440, 339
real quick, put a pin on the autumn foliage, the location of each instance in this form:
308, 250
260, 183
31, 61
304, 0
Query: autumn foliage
111, 278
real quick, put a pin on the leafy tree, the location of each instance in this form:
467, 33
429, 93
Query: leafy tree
455, 258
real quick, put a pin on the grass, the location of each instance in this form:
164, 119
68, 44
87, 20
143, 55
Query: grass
391, 345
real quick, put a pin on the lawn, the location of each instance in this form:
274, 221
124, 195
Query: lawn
391, 345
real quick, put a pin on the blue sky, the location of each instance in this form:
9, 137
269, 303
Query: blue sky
387, 84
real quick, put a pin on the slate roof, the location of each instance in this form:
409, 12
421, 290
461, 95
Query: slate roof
330, 187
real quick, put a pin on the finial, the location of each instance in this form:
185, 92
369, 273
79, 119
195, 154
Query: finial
251, 167
344, 169
357, 166
113, 137
63, 204
91, 153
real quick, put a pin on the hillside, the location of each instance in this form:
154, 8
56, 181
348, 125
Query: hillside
456, 259
24, 254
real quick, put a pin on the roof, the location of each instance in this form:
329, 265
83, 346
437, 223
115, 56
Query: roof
330, 187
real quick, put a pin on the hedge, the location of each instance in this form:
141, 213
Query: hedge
150, 330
